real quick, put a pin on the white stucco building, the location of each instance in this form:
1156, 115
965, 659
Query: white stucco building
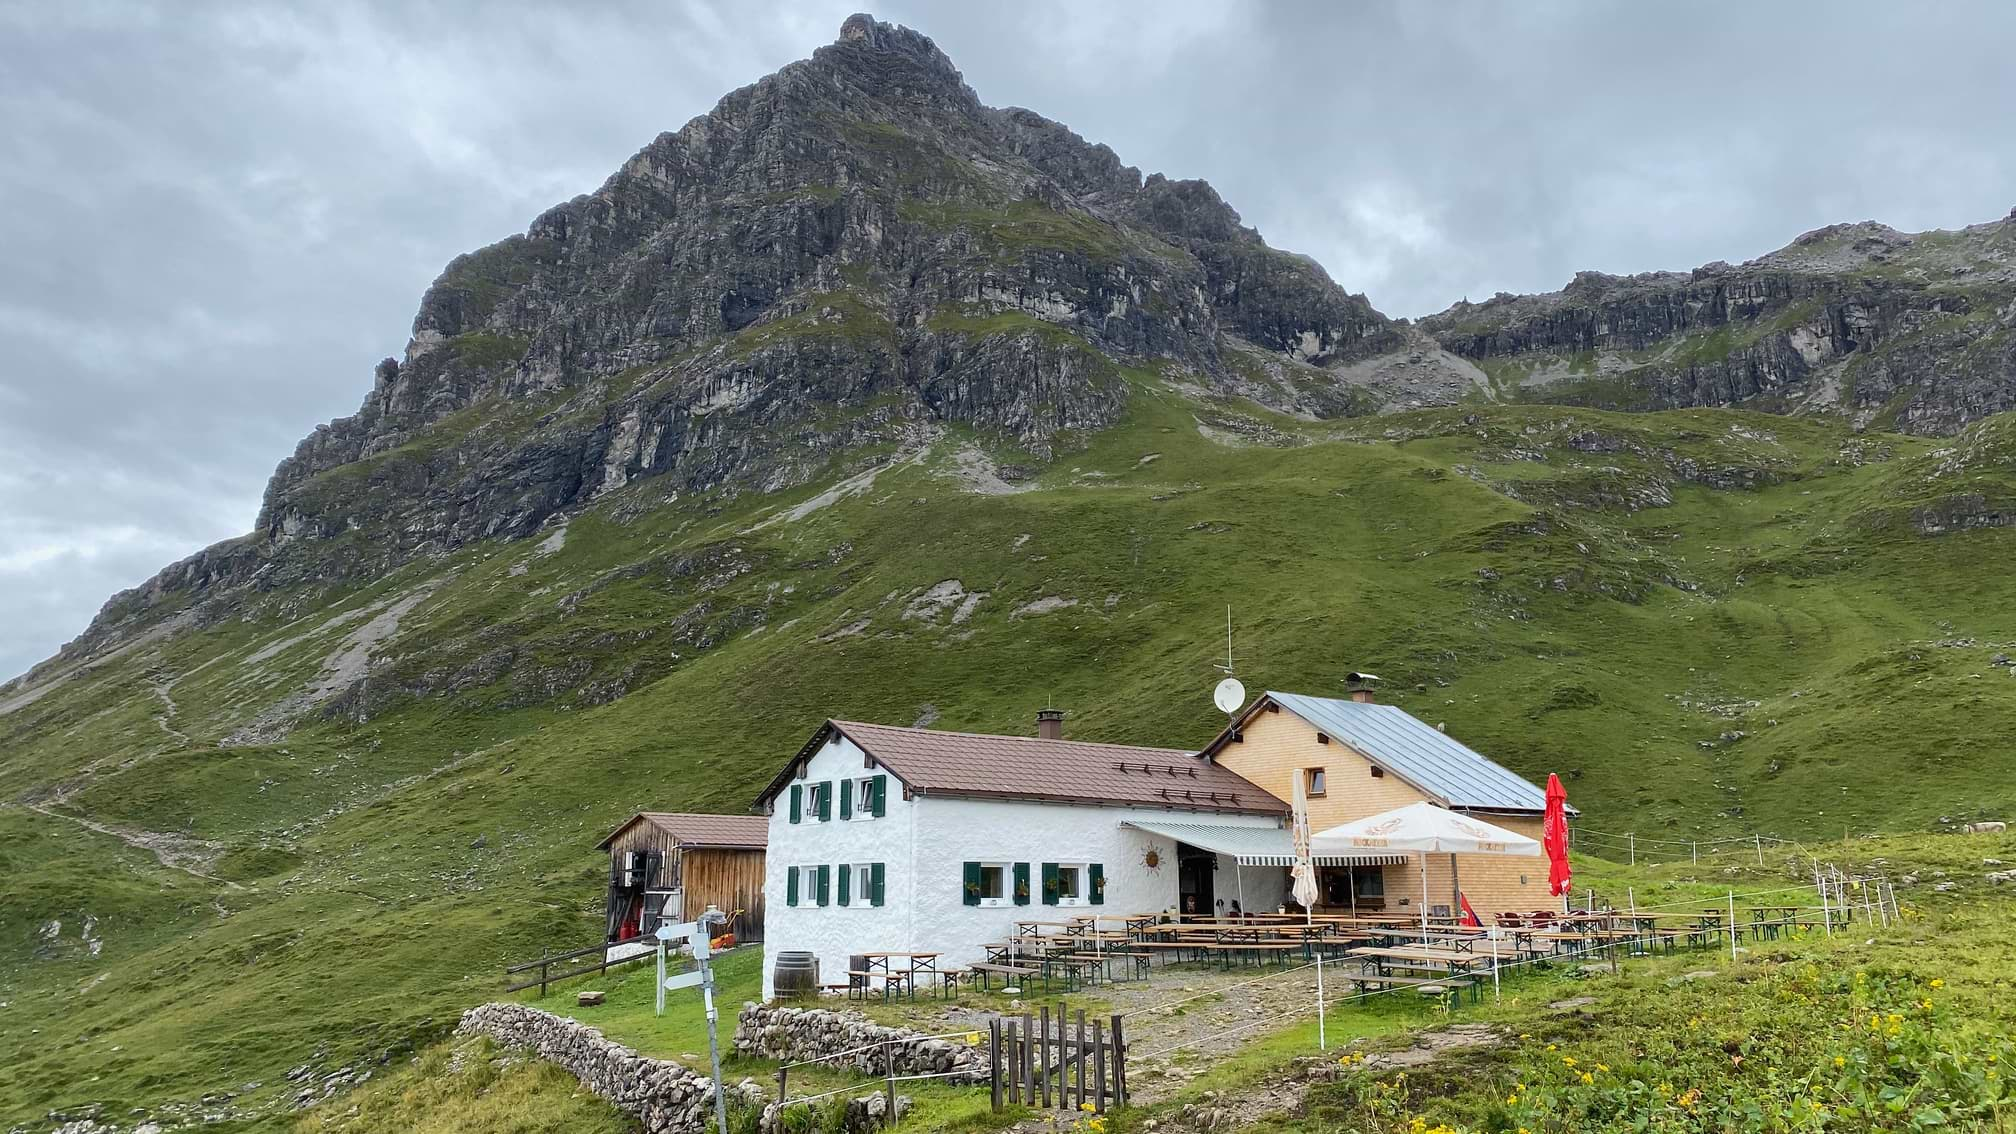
914, 840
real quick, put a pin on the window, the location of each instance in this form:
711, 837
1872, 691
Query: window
1314, 780
1070, 888
860, 884
992, 882
808, 886
1074, 884
819, 800
867, 798
1378, 773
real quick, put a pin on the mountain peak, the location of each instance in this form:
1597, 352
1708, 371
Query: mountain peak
864, 35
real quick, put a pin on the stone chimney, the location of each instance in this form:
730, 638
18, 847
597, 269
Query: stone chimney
1359, 686
1049, 724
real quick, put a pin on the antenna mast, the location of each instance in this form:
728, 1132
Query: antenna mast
1230, 695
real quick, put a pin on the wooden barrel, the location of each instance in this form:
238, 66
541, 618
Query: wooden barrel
795, 975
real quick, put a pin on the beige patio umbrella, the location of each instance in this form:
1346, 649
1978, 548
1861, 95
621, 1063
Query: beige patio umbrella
1424, 829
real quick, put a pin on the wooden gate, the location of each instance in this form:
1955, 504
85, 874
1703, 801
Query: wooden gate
1055, 1062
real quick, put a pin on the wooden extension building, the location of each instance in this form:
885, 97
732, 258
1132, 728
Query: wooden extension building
670, 866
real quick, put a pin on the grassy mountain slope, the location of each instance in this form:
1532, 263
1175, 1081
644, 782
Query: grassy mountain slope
1614, 597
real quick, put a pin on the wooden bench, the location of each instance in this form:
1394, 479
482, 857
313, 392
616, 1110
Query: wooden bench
1395, 980
895, 982
1006, 971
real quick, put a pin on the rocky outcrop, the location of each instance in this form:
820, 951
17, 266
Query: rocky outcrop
1914, 332
840, 257
776, 1032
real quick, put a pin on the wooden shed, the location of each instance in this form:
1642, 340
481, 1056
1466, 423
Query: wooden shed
671, 866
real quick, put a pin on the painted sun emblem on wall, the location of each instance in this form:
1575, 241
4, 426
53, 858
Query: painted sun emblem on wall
1151, 858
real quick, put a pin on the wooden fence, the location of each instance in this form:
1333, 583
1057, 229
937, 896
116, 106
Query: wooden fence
1055, 1063
602, 964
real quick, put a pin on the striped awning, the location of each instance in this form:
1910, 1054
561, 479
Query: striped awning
1253, 845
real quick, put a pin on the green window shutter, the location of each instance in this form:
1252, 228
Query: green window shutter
797, 803
791, 882
875, 884
846, 874
878, 796
825, 877
846, 799
1021, 884
1049, 883
969, 884
1095, 880
826, 802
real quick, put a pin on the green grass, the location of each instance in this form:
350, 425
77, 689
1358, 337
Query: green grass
391, 857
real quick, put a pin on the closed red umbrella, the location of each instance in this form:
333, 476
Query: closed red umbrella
1554, 836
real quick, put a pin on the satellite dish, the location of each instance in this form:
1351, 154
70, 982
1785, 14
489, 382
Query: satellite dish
1229, 695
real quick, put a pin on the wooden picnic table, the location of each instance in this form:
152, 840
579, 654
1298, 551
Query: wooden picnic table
895, 980
1457, 966
1035, 928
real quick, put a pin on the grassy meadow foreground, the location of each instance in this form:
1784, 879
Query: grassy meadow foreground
1910, 1026
1709, 622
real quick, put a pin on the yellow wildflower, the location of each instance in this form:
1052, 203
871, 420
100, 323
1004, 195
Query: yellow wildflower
1086, 1107
1840, 1061
1937, 983
973, 1039
1602, 1067
1567, 1061
1551, 1047
1588, 1078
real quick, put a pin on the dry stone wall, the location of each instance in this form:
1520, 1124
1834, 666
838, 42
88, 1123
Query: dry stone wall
776, 1032
664, 1096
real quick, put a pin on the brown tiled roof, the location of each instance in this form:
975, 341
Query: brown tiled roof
693, 828
979, 765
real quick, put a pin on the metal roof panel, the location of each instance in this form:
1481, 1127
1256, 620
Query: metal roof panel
1419, 753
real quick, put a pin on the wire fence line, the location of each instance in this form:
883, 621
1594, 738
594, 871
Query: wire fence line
1349, 998
1621, 837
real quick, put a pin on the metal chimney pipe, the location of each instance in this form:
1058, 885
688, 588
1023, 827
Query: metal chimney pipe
1050, 724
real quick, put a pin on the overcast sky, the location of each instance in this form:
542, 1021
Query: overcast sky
215, 217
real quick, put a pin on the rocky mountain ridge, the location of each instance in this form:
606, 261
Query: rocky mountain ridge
1912, 332
845, 256
855, 258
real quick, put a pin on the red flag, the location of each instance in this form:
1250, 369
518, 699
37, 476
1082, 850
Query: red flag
1469, 915
1554, 838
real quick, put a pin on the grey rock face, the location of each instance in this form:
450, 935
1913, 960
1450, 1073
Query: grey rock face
851, 252
1914, 332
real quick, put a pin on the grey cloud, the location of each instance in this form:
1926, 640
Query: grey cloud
217, 217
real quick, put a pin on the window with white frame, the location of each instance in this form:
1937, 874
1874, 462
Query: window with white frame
864, 797
994, 883
1071, 884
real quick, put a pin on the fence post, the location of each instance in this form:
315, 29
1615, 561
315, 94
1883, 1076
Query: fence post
1732, 925
1826, 913
1760, 849
1631, 841
1028, 1073
781, 1069
542, 980
1043, 1058
1697, 852
890, 1063
1081, 1058
994, 1062
1119, 1063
